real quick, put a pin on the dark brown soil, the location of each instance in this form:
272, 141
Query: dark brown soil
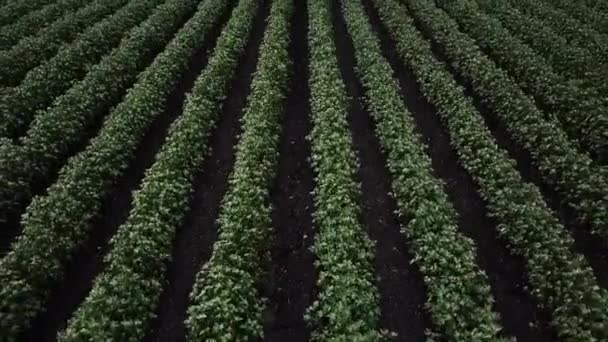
519, 312
9, 230
547, 106
399, 281
12, 229
87, 262
592, 247
291, 283
194, 240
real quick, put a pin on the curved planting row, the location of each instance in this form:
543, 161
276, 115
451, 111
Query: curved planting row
14, 10
578, 180
37, 259
346, 307
63, 126
19, 105
460, 300
581, 112
561, 280
35, 21
225, 301
594, 16
32, 51
573, 62
575, 31
125, 295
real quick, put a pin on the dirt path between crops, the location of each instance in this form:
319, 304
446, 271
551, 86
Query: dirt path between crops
12, 229
194, 240
592, 247
88, 261
520, 315
399, 281
290, 286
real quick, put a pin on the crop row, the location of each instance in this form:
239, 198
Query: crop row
346, 307
575, 31
14, 10
63, 126
141, 249
32, 51
561, 280
35, 21
581, 112
573, 174
19, 105
460, 300
225, 301
595, 17
77, 195
573, 62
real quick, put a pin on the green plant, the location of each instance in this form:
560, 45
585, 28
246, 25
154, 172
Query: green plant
592, 16
30, 52
63, 126
225, 302
583, 185
346, 307
573, 62
64, 213
35, 21
460, 300
576, 32
126, 293
12, 11
19, 105
581, 112
561, 280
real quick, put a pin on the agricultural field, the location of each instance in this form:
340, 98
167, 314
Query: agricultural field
304, 170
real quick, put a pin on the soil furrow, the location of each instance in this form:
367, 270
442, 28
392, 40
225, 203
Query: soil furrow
87, 262
520, 315
400, 283
591, 246
585, 243
291, 282
12, 229
194, 239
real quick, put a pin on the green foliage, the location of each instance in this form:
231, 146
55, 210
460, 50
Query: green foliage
125, 294
63, 126
347, 307
64, 213
30, 52
573, 62
12, 11
583, 185
561, 280
593, 17
575, 31
581, 112
225, 302
35, 21
460, 300
596, 5
19, 105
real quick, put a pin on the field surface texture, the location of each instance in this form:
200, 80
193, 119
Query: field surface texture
304, 170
